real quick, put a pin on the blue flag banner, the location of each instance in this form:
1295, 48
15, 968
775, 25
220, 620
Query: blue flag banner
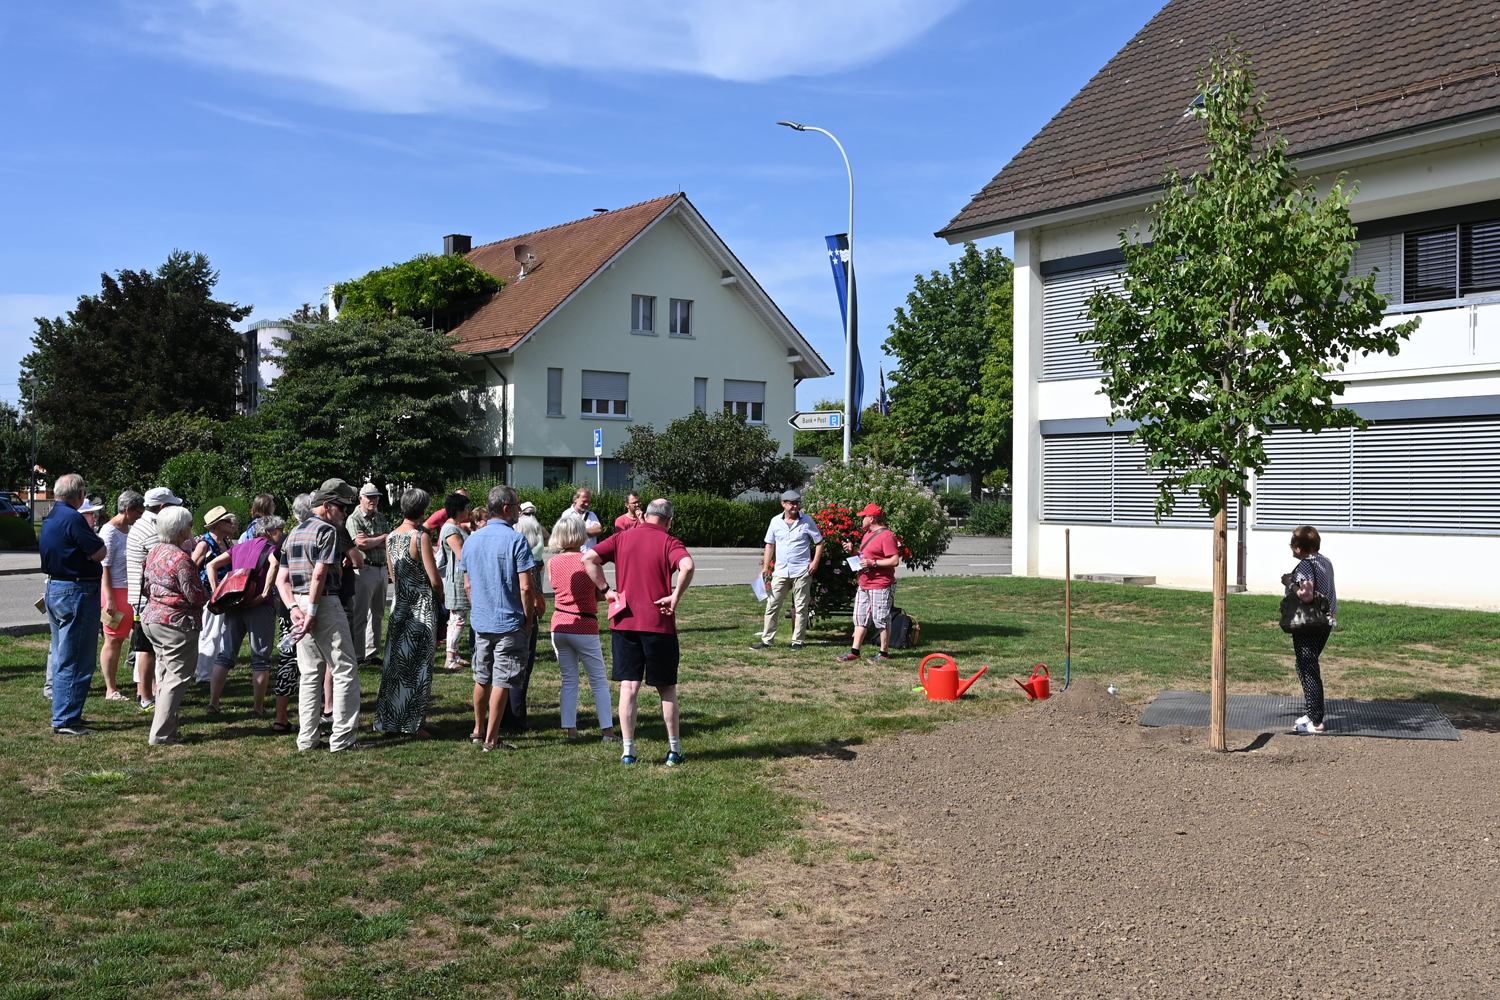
843, 280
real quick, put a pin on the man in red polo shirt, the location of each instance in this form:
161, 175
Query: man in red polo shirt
879, 552
643, 622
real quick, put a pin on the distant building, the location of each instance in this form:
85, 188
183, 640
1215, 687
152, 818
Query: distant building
1404, 97
260, 367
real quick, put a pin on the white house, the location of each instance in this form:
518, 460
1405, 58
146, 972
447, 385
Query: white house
1403, 97
638, 315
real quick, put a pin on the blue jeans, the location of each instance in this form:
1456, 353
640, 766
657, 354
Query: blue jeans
73, 611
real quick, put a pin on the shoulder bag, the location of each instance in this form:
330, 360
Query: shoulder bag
1298, 617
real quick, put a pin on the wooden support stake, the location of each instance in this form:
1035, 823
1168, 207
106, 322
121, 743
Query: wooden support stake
1068, 599
1219, 698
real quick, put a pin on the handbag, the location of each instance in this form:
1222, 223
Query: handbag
231, 591
1299, 617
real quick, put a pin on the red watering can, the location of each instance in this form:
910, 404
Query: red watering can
941, 682
1038, 687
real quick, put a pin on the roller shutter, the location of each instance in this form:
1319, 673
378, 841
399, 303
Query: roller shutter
1064, 305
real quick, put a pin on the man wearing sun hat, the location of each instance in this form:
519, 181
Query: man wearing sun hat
369, 528
879, 552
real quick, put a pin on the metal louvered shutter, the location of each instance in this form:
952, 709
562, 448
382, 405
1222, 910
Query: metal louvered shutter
736, 391
700, 393
1479, 258
1064, 306
1136, 489
1381, 256
1306, 480
1440, 475
1076, 477
1430, 268
554, 392
606, 385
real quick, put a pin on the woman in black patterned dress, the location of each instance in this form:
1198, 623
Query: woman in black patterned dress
411, 633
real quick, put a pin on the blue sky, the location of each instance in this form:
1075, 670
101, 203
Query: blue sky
301, 142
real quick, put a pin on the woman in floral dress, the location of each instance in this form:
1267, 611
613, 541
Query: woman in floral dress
406, 676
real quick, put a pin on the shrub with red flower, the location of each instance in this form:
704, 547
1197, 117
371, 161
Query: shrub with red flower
835, 582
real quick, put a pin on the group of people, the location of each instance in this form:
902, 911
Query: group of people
177, 597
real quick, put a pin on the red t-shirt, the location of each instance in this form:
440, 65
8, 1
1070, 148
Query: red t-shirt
644, 561
878, 544
575, 593
626, 521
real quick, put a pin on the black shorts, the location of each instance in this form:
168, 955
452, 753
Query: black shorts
648, 656
140, 642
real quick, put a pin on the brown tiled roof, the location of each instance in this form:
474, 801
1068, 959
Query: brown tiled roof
567, 256
1332, 73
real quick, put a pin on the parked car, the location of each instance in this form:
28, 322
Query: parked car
8, 509
17, 503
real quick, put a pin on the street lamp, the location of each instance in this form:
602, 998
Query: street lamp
33, 381
850, 349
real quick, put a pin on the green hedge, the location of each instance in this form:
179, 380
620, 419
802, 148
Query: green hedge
701, 519
958, 503
990, 518
17, 533
238, 506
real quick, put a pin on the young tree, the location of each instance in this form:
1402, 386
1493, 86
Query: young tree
951, 397
149, 344
716, 453
363, 398
1234, 317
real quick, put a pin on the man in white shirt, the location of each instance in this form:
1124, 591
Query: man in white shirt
795, 543
592, 528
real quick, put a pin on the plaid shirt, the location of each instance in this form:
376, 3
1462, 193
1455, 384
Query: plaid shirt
373, 525
311, 542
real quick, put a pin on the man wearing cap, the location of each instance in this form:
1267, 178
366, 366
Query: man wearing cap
140, 540
795, 543
71, 556
313, 559
878, 556
369, 528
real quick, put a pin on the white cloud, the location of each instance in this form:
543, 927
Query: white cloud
399, 56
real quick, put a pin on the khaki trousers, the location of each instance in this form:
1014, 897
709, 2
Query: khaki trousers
176, 661
801, 590
369, 611
327, 641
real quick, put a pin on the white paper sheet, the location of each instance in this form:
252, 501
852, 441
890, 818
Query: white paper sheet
854, 563
759, 586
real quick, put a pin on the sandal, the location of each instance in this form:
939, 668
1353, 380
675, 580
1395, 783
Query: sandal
260, 713
215, 712
116, 696
476, 738
498, 745
282, 727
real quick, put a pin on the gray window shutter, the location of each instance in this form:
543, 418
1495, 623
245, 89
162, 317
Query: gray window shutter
1064, 305
606, 385
554, 392
1439, 476
700, 394
1077, 477
1306, 480
736, 391
1380, 254
1136, 489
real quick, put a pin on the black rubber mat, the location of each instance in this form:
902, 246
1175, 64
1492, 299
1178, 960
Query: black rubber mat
1272, 713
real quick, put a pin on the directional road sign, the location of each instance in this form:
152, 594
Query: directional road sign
825, 420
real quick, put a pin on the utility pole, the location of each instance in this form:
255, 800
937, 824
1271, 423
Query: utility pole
33, 381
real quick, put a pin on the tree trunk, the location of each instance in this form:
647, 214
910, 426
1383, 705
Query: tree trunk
1219, 698
976, 486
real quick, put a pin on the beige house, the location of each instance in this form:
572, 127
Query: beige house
633, 316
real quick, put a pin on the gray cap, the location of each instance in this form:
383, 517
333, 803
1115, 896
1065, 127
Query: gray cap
791, 495
334, 491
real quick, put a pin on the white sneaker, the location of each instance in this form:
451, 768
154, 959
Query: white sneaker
1301, 720
1306, 726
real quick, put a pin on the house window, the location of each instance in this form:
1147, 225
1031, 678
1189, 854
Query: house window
643, 314
748, 399
1065, 298
1103, 479
556, 472
682, 318
554, 392
700, 394
1452, 262
606, 394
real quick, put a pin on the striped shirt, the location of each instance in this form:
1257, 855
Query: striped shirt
141, 538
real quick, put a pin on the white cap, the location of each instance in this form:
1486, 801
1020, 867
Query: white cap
160, 496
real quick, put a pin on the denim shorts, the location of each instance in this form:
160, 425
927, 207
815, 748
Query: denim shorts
500, 657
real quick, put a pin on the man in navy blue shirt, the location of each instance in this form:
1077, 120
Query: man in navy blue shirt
71, 557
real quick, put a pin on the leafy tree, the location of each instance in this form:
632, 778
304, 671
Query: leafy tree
437, 290
148, 345
133, 458
196, 476
951, 397
1234, 317
15, 447
877, 437
717, 453
364, 398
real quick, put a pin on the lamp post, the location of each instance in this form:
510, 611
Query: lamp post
849, 313
33, 381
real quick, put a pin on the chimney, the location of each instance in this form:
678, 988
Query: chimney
456, 244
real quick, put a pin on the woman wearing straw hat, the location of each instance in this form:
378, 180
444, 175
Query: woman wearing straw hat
219, 526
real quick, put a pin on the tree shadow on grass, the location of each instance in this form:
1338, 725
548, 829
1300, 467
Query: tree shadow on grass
773, 749
957, 632
1476, 713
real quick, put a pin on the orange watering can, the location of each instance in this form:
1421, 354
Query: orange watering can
1038, 687
941, 682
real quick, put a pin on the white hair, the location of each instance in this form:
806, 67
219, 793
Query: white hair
69, 487
172, 523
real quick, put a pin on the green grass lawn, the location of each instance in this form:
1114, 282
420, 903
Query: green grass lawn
233, 866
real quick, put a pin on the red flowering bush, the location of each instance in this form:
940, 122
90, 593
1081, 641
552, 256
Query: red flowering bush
834, 583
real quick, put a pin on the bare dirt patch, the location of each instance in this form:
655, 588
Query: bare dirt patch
1065, 852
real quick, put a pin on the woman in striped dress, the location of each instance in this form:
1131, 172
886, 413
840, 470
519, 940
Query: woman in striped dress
406, 674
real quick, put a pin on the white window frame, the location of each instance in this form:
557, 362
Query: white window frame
677, 311
752, 409
643, 311
615, 408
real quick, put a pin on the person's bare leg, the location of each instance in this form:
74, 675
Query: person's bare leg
327, 692
630, 692
145, 685
885, 639
260, 682
481, 705
283, 702
109, 662
669, 710
499, 695
216, 682
859, 636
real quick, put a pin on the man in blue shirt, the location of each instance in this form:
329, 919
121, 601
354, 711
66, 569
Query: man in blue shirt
71, 556
495, 563
796, 544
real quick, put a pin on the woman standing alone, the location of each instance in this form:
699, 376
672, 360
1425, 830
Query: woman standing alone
1313, 575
